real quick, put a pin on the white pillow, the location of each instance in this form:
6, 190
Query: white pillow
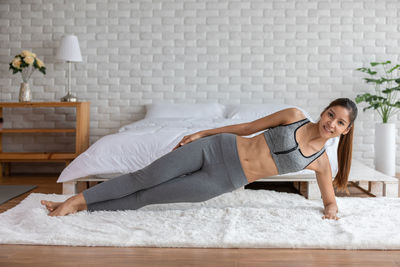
185, 110
244, 111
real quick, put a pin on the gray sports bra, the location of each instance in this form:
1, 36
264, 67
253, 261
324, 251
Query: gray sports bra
285, 150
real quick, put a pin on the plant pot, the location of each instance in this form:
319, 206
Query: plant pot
25, 94
385, 148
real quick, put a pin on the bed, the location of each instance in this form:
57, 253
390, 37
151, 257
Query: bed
136, 145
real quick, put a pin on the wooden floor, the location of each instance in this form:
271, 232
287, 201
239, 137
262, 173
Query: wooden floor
17, 255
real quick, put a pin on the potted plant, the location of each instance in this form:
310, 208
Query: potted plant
26, 62
386, 102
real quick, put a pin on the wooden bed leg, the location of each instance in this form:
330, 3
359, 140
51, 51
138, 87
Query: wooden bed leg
390, 189
303, 188
313, 190
375, 188
69, 188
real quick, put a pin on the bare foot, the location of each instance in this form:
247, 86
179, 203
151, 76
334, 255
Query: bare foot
71, 205
50, 205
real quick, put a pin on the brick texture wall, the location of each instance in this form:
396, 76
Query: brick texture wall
301, 52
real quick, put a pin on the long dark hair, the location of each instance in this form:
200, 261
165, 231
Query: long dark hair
345, 148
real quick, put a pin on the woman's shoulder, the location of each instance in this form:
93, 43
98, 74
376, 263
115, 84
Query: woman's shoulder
295, 115
281, 117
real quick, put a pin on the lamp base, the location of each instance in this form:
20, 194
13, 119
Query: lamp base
69, 98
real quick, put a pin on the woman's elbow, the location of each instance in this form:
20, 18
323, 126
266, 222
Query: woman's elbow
245, 129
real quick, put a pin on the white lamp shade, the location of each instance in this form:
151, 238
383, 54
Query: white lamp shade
69, 49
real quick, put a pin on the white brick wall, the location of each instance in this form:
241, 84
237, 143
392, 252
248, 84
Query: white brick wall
137, 52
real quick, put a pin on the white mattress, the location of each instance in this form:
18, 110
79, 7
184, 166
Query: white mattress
138, 144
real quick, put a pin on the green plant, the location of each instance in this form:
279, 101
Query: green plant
385, 100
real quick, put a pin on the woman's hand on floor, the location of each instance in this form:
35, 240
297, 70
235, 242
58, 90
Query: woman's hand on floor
187, 139
330, 213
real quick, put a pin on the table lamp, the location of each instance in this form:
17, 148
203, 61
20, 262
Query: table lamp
69, 51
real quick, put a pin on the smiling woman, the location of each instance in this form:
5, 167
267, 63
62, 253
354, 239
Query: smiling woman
212, 162
338, 119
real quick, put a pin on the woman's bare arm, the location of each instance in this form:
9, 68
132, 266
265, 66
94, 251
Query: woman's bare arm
281, 117
324, 178
285, 116
239, 129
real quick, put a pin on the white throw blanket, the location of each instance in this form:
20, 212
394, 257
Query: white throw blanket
240, 219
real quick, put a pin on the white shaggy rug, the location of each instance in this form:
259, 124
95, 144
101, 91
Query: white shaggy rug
240, 219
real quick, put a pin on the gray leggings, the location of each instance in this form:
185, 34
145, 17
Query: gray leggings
195, 172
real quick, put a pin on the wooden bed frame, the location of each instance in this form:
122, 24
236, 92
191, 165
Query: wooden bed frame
365, 178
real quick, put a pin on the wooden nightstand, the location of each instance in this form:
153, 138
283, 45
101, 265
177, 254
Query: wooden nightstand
81, 131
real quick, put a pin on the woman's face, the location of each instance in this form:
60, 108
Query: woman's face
334, 122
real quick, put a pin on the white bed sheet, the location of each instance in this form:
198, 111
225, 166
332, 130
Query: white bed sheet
138, 144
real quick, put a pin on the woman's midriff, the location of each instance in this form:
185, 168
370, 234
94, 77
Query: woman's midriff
255, 157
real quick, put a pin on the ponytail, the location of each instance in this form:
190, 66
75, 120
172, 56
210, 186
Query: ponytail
344, 155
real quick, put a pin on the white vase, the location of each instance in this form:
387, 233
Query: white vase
25, 94
385, 148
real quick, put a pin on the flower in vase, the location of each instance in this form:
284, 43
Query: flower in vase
25, 53
39, 63
29, 60
16, 63
26, 62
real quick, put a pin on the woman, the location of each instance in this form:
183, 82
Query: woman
212, 162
